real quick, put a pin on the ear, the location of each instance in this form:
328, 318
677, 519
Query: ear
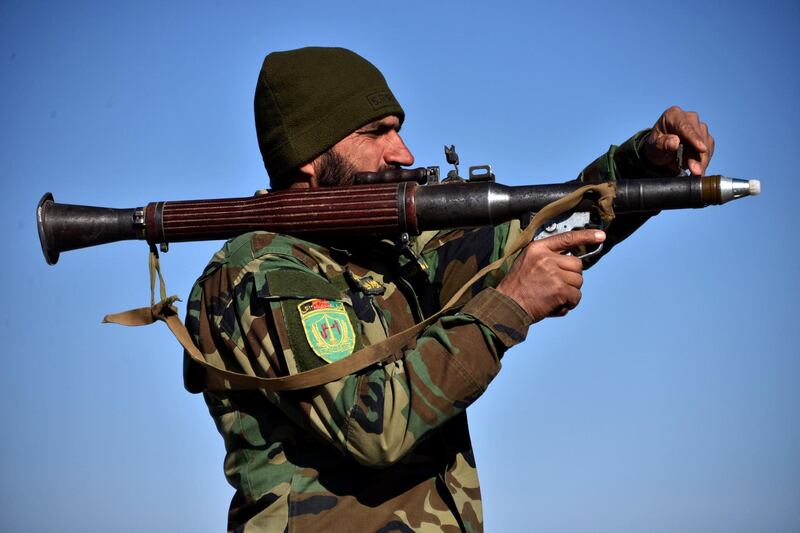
307, 176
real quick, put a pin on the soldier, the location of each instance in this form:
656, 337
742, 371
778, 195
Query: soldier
386, 448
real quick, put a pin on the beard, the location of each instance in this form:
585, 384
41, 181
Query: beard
333, 169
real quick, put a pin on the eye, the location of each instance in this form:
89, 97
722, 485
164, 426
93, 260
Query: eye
376, 131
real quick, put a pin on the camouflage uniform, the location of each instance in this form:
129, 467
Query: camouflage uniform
386, 449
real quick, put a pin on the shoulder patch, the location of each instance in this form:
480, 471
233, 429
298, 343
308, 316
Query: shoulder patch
328, 328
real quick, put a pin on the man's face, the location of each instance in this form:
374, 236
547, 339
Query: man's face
373, 147
376, 146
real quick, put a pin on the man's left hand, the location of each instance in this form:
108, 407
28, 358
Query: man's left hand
676, 127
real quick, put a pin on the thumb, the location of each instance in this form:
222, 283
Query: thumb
660, 148
662, 142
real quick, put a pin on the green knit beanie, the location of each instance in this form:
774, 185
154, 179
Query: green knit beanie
309, 99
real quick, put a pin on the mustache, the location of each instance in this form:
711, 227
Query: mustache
335, 170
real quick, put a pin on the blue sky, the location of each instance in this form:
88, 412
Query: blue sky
668, 401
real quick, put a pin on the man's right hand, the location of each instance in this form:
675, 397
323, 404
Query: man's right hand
543, 281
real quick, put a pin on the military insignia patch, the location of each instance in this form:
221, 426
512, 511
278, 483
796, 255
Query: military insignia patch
328, 329
365, 284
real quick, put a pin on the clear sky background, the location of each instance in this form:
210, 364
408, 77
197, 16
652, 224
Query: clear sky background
668, 401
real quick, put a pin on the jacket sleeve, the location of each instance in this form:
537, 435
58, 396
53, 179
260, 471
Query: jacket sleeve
379, 414
622, 162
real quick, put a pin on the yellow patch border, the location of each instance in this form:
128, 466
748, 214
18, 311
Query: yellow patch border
321, 317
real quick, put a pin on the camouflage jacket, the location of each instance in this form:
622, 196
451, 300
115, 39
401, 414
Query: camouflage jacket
385, 449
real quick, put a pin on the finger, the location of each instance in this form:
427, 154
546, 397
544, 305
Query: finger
660, 148
698, 166
708, 140
564, 241
574, 298
711, 144
695, 167
569, 263
697, 163
667, 143
572, 279
710, 154
571, 298
693, 160
690, 134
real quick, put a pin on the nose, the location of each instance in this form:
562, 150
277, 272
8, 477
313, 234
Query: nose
397, 153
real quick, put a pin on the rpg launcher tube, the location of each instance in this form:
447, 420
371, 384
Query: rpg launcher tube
492, 203
381, 210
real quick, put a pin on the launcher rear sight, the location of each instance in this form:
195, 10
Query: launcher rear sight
476, 173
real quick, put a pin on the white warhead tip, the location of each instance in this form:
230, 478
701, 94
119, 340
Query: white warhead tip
755, 187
